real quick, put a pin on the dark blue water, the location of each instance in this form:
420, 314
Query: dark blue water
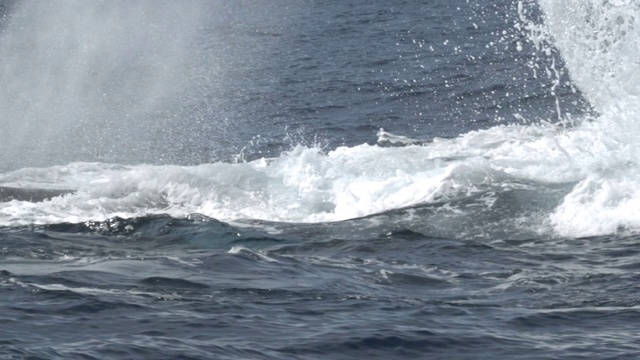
249, 206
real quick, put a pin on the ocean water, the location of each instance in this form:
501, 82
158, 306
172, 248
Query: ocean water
319, 179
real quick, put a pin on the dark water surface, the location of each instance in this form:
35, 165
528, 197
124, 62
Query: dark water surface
187, 289
306, 232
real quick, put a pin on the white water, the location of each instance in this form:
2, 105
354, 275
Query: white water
599, 43
305, 184
308, 185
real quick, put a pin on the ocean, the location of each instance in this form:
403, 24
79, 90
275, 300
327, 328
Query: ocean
366, 179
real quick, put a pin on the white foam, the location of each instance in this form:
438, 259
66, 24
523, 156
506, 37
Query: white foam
599, 41
305, 184
308, 185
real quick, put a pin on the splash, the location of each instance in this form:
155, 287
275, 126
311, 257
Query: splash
91, 80
307, 184
596, 158
599, 41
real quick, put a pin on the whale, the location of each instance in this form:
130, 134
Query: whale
31, 195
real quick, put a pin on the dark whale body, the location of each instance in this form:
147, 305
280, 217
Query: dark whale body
32, 195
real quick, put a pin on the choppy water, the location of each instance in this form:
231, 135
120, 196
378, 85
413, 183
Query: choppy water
315, 180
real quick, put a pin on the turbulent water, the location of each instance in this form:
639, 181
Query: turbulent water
319, 180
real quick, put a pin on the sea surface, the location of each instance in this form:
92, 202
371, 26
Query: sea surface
366, 179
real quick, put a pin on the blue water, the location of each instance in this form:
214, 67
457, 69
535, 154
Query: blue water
309, 180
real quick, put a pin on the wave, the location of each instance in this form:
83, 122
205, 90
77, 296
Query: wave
599, 41
305, 184
597, 155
